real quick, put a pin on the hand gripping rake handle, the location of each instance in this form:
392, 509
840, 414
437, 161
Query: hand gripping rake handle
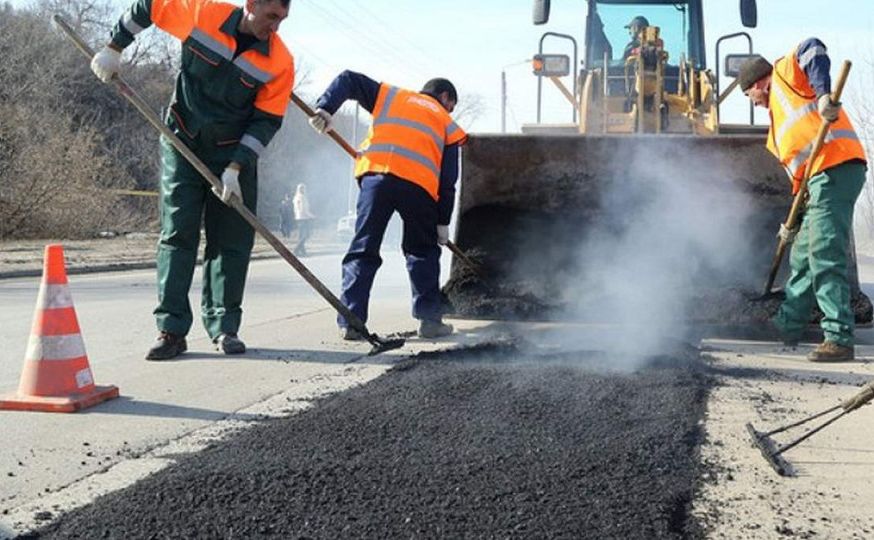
802, 189
307, 110
379, 345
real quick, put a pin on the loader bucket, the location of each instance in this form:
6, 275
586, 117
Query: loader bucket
562, 223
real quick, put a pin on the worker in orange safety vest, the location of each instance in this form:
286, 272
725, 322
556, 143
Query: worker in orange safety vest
231, 95
796, 90
408, 164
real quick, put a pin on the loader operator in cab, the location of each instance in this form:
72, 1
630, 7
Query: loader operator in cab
634, 27
797, 92
231, 94
408, 164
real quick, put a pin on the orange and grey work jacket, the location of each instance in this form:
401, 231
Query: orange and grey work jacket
795, 121
407, 138
224, 104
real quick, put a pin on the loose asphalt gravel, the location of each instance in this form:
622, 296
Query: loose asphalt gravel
485, 443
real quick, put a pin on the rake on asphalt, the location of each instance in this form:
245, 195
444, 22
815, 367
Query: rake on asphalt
773, 451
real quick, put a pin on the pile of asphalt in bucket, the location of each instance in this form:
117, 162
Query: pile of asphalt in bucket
505, 298
485, 443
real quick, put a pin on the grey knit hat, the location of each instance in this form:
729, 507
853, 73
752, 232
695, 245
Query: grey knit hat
752, 71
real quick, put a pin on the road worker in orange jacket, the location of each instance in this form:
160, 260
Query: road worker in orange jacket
231, 94
797, 92
408, 164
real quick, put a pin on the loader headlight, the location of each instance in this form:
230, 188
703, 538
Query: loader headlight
733, 63
551, 65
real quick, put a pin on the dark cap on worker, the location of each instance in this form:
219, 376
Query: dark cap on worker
752, 71
638, 22
437, 86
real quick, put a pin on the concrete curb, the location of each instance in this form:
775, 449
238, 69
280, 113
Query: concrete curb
109, 267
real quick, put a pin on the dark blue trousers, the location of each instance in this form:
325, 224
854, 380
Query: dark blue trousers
379, 198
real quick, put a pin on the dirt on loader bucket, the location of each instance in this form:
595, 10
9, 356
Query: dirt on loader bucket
590, 228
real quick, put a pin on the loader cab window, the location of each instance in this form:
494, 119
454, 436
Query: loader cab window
672, 19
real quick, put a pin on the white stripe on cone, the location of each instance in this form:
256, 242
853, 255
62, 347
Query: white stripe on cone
54, 297
84, 378
65, 347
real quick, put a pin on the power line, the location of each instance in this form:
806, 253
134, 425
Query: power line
354, 22
427, 56
380, 52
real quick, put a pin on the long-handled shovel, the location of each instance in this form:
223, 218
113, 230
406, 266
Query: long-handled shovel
379, 345
800, 197
773, 452
309, 112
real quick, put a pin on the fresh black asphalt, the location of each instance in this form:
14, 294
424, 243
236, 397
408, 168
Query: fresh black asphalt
486, 443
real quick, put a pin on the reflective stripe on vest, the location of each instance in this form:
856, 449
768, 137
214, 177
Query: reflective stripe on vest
130, 25
795, 121
836, 135
383, 119
426, 129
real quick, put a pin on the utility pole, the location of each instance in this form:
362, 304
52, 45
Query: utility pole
504, 92
503, 101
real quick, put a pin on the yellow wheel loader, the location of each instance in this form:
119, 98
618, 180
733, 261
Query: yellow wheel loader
644, 206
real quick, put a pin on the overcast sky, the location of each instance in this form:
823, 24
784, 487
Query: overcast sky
406, 42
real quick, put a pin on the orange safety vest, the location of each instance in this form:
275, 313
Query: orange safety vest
202, 20
795, 121
407, 138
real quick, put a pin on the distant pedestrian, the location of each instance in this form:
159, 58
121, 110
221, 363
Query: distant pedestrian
303, 219
286, 216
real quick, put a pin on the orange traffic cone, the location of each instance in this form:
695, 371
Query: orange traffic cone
56, 375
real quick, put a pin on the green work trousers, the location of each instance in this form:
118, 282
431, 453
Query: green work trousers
186, 201
820, 257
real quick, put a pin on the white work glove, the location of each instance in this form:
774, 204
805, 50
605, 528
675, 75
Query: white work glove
230, 185
827, 108
321, 121
786, 234
442, 234
106, 63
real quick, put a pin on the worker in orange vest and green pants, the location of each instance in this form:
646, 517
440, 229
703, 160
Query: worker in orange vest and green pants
231, 95
797, 92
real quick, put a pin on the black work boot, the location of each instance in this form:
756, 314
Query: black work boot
229, 344
829, 351
167, 346
347, 333
431, 329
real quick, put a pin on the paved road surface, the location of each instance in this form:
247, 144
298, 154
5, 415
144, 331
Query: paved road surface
48, 462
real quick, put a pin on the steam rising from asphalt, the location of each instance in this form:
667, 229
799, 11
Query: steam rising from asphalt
663, 229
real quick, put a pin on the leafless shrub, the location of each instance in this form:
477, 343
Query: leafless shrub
67, 139
50, 173
862, 112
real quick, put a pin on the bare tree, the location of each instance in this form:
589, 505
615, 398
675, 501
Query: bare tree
67, 139
303, 76
469, 109
862, 111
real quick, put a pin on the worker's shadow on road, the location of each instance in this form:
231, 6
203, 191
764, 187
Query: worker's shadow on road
288, 356
131, 406
792, 371
357, 353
